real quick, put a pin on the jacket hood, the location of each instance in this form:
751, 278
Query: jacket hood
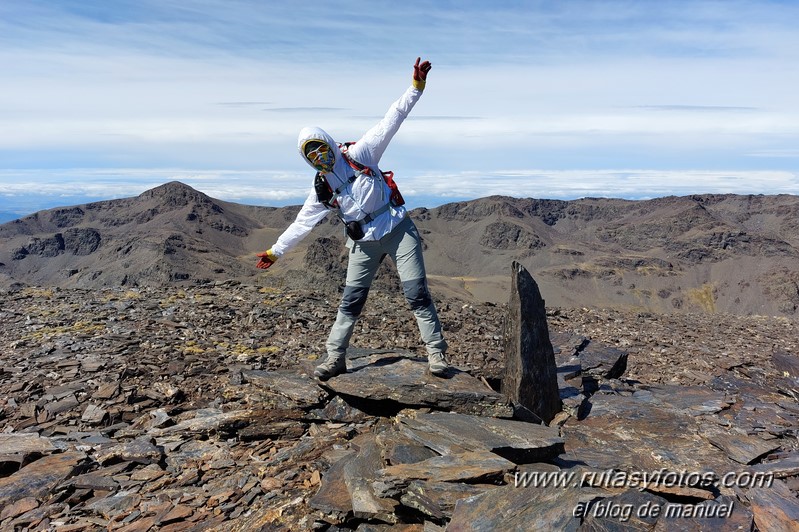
316, 133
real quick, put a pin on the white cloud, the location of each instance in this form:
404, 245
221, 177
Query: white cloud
220, 90
620, 183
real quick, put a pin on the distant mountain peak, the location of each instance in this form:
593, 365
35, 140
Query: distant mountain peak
176, 194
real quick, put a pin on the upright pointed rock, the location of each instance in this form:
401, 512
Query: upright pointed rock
531, 375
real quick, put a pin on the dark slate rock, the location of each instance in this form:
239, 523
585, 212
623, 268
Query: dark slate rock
333, 497
629, 511
274, 423
470, 466
722, 514
571, 389
93, 481
786, 466
521, 509
740, 447
25, 443
119, 503
603, 361
140, 450
447, 494
299, 388
338, 410
693, 400
566, 345
359, 472
94, 415
756, 416
775, 507
63, 405
530, 377
207, 421
38, 478
19, 507
402, 381
786, 363
515, 440
272, 430
634, 434
404, 453
416, 499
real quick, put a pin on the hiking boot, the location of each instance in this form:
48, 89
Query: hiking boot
438, 365
332, 365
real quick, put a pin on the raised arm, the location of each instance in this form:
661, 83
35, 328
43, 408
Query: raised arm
369, 149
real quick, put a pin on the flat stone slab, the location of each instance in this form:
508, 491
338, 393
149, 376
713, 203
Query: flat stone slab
140, 450
783, 467
693, 400
399, 378
470, 466
632, 433
206, 421
566, 345
25, 443
742, 448
786, 363
513, 508
447, 494
333, 496
517, 441
775, 507
301, 389
18, 508
722, 514
629, 511
359, 472
116, 504
38, 478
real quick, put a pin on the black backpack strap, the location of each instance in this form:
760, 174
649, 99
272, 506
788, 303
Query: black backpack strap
346, 183
374, 215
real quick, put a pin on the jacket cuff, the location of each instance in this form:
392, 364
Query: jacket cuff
419, 84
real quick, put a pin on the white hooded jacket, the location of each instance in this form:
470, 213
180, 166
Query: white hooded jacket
366, 194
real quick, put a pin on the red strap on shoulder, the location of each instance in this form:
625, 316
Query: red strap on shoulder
358, 167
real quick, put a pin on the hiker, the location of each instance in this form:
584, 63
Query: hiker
349, 183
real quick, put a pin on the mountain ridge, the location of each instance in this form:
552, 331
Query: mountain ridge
713, 253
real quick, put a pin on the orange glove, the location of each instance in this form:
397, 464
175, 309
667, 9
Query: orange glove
267, 259
420, 73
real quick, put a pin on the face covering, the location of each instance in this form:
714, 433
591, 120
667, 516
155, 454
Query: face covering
319, 155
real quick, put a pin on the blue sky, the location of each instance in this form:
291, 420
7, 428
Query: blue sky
567, 99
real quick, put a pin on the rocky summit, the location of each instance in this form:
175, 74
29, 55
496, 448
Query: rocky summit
192, 408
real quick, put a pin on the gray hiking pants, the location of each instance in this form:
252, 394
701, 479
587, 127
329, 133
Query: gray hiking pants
404, 246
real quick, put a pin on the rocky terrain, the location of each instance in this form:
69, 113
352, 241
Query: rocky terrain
143, 408
152, 379
706, 253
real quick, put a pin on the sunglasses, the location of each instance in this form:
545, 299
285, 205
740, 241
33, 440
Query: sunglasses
320, 157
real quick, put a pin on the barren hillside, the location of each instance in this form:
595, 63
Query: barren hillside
708, 253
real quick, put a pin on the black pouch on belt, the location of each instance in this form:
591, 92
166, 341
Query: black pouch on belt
354, 230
